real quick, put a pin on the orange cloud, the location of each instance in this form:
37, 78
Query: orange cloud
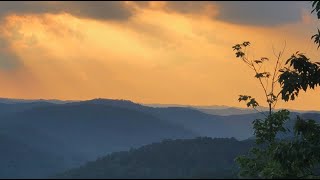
156, 56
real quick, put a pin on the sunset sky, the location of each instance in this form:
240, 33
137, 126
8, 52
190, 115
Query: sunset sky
148, 52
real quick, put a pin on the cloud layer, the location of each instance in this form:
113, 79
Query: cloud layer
112, 10
160, 52
241, 12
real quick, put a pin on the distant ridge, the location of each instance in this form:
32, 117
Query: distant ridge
222, 110
225, 110
14, 101
104, 100
112, 102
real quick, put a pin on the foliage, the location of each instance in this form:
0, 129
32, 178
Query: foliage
316, 8
301, 74
283, 158
250, 101
297, 157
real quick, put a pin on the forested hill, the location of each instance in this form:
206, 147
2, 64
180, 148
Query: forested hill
189, 158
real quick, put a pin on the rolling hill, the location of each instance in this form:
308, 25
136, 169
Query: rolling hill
76, 132
185, 159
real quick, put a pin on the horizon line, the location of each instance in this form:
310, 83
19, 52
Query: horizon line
147, 104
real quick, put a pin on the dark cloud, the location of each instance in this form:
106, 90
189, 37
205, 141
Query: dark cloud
187, 6
266, 13
114, 10
20, 7
261, 13
97, 9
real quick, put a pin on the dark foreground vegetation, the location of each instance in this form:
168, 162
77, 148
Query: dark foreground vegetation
189, 158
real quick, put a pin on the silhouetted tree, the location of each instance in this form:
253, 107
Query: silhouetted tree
266, 79
297, 157
301, 73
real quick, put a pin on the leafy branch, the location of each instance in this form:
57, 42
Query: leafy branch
256, 66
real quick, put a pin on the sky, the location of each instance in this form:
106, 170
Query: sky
148, 52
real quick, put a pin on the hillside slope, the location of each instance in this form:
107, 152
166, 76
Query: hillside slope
190, 158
